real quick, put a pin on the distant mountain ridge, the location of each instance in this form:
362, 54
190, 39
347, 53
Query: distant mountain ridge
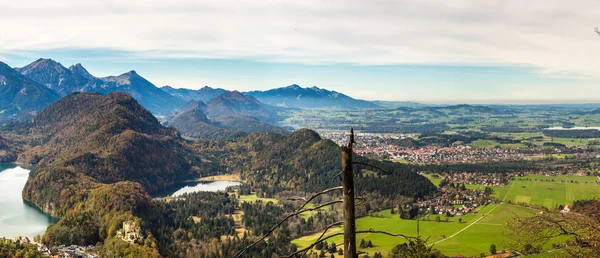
20, 97
236, 102
76, 78
297, 97
461, 109
205, 94
55, 76
224, 115
194, 124
148, 95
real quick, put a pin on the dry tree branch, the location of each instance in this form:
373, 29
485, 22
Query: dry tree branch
597, 31
313, 244
361, 199
384, 233
281, 222
324, 232
306, 249
329, 227
314, 196
371, 166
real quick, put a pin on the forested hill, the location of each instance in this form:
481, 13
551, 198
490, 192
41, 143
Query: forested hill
303, 161
108, 138
97, 158
194, 124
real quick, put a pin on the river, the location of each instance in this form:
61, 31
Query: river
18, 218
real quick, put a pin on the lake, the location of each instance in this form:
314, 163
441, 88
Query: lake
572, 128
18, 218
203, 186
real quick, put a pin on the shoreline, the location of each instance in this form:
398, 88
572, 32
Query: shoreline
224, 177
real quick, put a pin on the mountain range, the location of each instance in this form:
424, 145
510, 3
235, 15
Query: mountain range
294, 96
76, 78
27, 90
204, 94
224, 115
20, 97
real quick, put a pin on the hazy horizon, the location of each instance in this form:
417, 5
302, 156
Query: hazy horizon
424, 51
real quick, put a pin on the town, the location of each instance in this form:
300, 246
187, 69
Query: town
380, 146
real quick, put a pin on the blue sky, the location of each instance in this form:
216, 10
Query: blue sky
429, 51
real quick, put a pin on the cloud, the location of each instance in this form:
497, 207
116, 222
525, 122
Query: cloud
548, 34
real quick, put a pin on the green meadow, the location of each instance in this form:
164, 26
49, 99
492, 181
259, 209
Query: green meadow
253, 198
472, 236
541, 190
476, 232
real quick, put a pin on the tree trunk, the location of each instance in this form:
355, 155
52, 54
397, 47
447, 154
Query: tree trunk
348, 198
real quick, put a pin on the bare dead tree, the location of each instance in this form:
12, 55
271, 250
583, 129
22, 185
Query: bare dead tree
597, 31
348, 198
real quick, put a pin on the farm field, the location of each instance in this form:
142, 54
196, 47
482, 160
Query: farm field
477, 231
475, 234
540, 190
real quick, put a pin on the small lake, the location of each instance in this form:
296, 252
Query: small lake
573, 128
202, 186
18, 218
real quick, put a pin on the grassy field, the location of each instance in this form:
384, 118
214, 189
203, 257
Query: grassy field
434, 178
253, 198
479, 231
540, 190
436, 181
491, 144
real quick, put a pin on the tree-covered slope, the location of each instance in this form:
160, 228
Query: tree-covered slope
233, 102
303, 161
194, 124
108, 138
97, 157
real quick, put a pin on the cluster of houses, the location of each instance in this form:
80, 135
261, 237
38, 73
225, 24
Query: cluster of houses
485, 179
75, 251
455, 201
25, 240
378, 145
129, 233
455, 154
62, 251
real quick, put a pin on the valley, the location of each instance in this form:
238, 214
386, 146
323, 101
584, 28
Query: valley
299, 129
132, 170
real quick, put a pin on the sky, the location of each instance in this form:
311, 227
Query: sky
459, 51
